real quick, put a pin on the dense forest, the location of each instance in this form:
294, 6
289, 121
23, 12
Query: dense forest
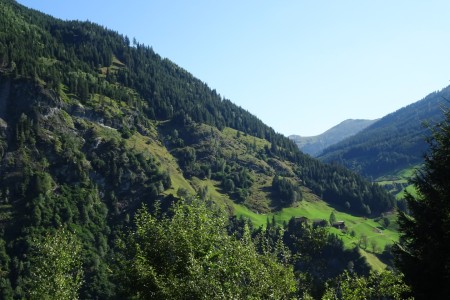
395, 142
98, 68
103, 144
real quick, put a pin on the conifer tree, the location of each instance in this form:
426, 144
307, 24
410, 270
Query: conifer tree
332, 218
423, 253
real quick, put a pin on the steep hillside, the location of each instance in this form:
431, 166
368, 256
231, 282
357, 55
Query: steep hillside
393, 143
92, 128
314, 145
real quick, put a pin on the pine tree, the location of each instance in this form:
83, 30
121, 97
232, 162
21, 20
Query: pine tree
423, 253
332, 218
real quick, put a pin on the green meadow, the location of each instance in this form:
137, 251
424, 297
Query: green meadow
397, 182
378, 235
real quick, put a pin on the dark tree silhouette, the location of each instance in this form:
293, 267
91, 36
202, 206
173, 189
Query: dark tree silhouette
423, 253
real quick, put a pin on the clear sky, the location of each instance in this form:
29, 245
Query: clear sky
300, 66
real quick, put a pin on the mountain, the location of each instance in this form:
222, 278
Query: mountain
93, 127
393, 143
314, 145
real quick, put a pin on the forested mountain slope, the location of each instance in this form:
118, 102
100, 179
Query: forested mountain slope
393, 143
93, 126
314, 145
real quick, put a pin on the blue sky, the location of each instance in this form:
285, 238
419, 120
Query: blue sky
300, 66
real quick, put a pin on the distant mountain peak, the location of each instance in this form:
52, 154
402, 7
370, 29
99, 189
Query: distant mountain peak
394, 142
314, 145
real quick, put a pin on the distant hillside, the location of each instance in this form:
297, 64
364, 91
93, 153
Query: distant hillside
93, 126
314, 145
393, 143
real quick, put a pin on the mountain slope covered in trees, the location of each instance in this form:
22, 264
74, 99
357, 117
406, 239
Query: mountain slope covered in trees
393, 143
93, 126
314, 145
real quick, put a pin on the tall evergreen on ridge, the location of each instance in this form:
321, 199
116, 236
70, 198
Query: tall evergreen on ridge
423, 253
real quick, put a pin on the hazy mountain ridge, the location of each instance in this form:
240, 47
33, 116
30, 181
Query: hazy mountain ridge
393, 143
314, 145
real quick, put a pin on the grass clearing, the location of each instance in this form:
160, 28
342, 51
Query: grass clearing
373, 260
410, 189
256, 218
231, 133
401, 175
213, 188
149, 146
376, 233
397, 182
167, 161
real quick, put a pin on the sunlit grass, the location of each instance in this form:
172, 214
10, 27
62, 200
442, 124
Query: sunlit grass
357, 226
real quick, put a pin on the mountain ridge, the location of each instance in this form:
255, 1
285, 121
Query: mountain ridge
395, 142
92, 128
314, 145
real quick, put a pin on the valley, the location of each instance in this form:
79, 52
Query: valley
125, 177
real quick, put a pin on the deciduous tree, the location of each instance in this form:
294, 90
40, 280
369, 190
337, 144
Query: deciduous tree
191, 256
56, 271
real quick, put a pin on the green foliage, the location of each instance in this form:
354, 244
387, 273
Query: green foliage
286, 191
319, 256
125, 87
315, 209
88, 128
190, 255
423, 253
384, 285
56, 270
187, 158
363, 241
332, 218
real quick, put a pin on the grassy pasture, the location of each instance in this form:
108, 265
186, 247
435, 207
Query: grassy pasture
357, 226
401, 178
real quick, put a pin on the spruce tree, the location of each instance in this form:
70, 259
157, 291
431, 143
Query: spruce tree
423, 253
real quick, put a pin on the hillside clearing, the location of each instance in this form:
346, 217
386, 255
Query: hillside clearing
373, 228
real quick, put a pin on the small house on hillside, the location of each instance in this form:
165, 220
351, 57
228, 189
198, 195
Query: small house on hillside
339, 225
